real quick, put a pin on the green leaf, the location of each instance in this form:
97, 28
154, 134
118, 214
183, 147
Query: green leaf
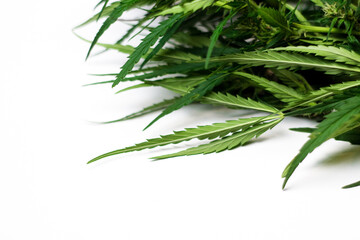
215, 36
226, 143
105, 12
180, 85
121, 48
333, 22
164, 70
228, 100
285, 60
303, 130
103, 8
191, 40
198, 92
333, 125
168, 55
328, 52
201, 132
326, 105
274, 18
352, 136
323, 93
355, 184
187, 7
145, 45
163, 41
232, 101
130, 31
141, 85
113, 16
293, 79
318, 3
155, 107
280, 91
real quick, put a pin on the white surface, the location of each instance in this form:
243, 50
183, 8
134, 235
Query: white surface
47, 192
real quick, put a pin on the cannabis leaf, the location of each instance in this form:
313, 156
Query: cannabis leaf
272, 57
323, 93
280, 91
347, 113
274, 18
105, 11
105, 2
201, 132
188, 7
203, 88
113, 16
155, 107
232, 101
163, 41
144, 46
215, 36
328, 52
355, 184
230, 142
293, 61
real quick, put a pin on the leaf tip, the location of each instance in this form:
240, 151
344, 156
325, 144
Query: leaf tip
88, 54
284, 183
91, 161
352, 185
147, 126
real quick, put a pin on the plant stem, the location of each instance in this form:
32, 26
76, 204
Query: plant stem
316, 29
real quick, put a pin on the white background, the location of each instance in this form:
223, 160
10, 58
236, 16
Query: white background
47, 134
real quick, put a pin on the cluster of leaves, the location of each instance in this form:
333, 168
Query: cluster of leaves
282, 58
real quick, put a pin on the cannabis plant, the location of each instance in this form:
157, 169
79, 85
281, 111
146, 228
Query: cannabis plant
281, 58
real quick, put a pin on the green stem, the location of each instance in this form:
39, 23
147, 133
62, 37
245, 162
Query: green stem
316, 29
